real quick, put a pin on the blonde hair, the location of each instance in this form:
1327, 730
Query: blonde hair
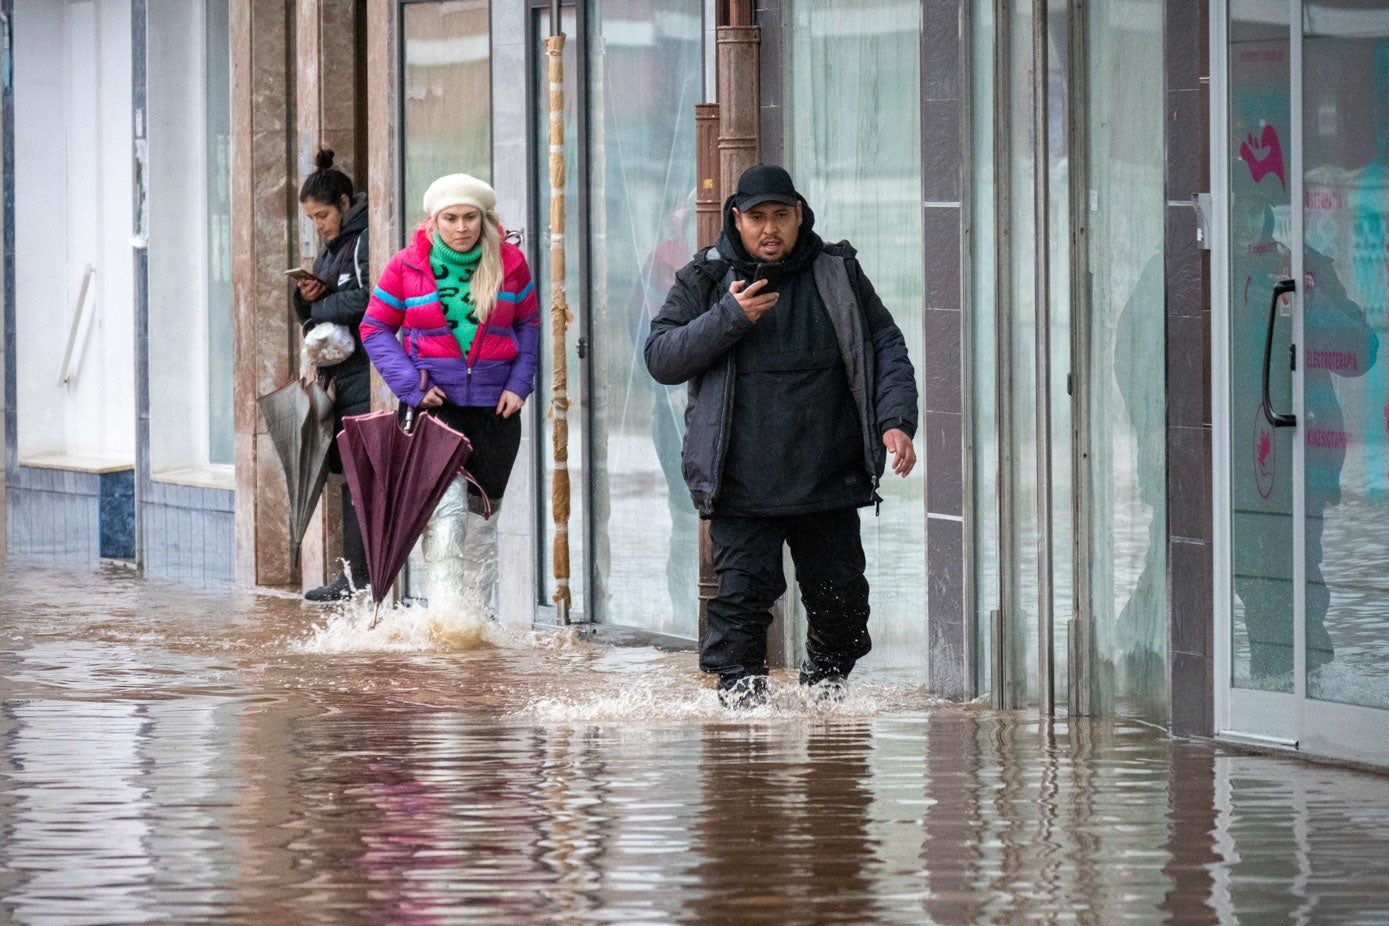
488, 279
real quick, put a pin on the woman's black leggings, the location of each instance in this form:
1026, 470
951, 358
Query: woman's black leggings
495, 441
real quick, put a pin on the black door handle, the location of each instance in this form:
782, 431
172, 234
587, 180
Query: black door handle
1278, 421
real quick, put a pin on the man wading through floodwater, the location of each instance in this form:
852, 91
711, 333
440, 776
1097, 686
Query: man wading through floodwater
800, 386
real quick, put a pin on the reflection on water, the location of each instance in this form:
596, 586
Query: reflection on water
190, 757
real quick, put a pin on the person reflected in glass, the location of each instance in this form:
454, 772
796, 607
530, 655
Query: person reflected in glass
330, 307
1339, 343
668, 411
454, 328
1140, 634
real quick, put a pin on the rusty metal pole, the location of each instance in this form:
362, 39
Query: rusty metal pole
738, 144
740, 103
708, 205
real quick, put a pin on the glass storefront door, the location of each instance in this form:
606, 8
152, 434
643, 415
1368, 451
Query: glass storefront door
1305, 637
632, 74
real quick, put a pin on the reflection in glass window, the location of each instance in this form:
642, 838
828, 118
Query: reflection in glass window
447, 98
1127, 376
645, 77
859, 167
217, 67
189, 234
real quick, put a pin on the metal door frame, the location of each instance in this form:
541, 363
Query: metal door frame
537, 17
1004, 671
1247, 715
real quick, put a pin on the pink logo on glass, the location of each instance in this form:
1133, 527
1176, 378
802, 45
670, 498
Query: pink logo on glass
1264, 155
1265, 459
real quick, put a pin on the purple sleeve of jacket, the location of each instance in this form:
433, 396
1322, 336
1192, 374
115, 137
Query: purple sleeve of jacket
526, 325
380, 326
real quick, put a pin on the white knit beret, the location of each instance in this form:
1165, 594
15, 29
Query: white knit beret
458, 190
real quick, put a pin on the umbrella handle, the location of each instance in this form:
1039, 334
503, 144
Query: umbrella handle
411, 413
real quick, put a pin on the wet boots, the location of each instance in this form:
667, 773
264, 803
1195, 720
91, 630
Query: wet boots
744, 693
460, 555
354, 559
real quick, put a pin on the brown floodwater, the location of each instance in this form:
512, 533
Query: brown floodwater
187, 756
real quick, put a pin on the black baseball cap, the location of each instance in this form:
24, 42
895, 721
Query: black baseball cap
762, 184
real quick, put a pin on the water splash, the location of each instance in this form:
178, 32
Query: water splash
667, 697
401, 629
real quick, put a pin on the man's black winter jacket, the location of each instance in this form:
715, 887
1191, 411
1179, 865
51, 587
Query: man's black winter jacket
695, 335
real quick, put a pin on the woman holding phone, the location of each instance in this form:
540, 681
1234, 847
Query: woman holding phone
454, 328
330, 305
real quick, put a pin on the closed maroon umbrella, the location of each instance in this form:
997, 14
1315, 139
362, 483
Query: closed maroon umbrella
396, 478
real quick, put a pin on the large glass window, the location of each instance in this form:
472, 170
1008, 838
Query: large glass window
1127, 375
189, 233
217, 71
446, 108
1006, 449
645, 76
1345, 165
859, 167
983, 358
1261, 485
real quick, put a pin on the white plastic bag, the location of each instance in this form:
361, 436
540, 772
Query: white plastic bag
328, 344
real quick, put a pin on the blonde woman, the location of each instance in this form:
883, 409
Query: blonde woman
453, 326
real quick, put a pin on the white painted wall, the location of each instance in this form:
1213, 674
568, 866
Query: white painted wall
178, 172
73, 207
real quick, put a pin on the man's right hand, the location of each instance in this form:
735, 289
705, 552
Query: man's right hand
432, 398
312, 290
751, 299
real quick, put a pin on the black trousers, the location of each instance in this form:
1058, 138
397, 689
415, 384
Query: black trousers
828, 552
353, 550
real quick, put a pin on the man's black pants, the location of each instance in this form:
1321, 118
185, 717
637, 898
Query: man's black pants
828, 553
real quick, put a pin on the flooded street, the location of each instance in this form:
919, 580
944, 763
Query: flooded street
187, 756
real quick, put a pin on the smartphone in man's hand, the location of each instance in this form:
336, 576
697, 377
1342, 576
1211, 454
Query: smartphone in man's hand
300, 275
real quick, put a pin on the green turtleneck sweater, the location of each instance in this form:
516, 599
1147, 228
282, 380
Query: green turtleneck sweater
453, 274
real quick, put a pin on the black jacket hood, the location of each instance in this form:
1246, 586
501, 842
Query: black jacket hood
354, 220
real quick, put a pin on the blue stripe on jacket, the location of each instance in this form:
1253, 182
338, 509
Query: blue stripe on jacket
517, 297
387, 298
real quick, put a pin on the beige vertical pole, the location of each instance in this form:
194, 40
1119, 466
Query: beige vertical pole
559, 323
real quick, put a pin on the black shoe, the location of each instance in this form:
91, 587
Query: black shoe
828, 683
338, 590
744, 693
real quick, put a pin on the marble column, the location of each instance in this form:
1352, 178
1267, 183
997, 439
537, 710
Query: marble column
326, 110
264, 235
382, 156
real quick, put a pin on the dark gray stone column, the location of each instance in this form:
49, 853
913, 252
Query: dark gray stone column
1190, 552
7, 289
769, 15
944, 146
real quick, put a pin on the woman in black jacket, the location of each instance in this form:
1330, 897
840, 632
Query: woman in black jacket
339, 297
